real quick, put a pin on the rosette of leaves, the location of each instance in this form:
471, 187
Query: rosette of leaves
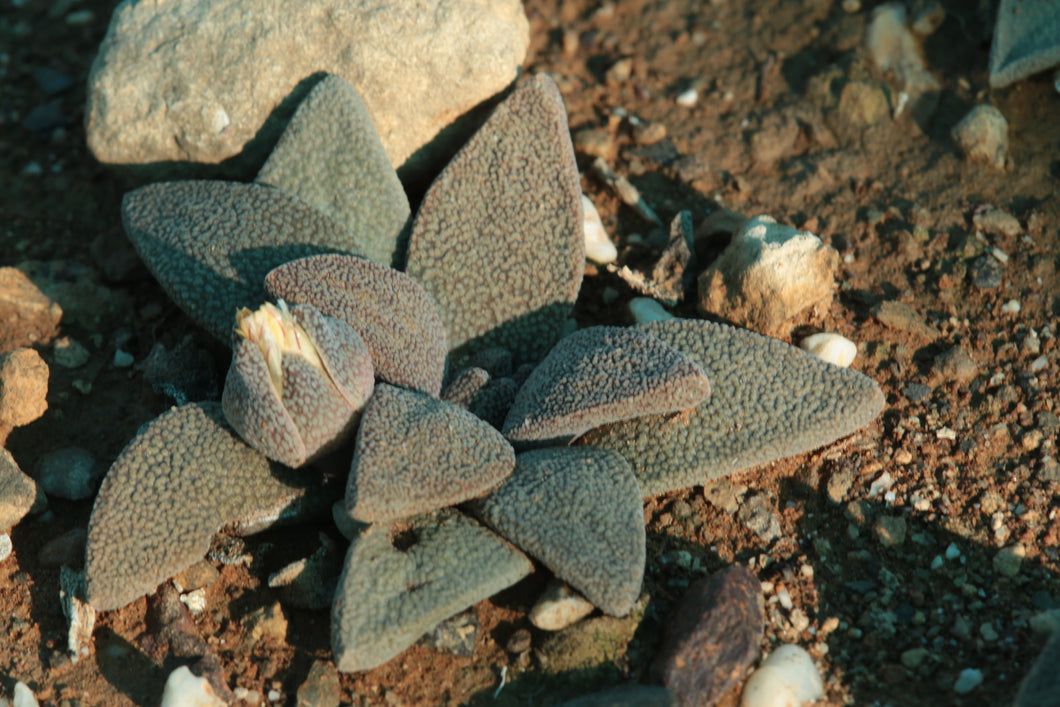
473, 337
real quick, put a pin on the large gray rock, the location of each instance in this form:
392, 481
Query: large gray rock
204, 81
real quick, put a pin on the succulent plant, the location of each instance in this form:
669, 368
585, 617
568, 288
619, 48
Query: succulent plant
494, 263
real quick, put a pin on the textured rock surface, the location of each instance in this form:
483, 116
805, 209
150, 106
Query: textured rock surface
298, 382
211, 243
330, 157
769, 400
767, 275
23, 388
498, 241
183, 477
394, 315
18, 492
27, 315
415, 453
578, 511
601, 375
401, 580
204, 81
713, 638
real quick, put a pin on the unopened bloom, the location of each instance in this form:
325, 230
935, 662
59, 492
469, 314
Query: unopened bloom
298, 381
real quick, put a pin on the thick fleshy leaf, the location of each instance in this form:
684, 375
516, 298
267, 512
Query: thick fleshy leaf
181, 479
401, 580
211, 243
331, 158
578, 510
1026, 40
498, 241
415, 453
393, 314
600, 375
769, 400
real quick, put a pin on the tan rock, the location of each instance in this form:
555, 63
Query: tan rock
27, 315
768, 275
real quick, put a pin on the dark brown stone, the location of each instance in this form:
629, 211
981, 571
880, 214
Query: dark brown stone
713, 638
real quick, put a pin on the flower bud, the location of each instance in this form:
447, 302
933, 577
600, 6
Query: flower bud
298, 381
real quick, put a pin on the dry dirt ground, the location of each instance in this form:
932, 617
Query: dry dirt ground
971, 459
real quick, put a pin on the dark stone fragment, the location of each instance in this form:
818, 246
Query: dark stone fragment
1041, 687
691, 167
985, 272
860, 586
45, 118
661, 153
321, 686
185, 373
916, 392
456, 635
627, 696
52, 82
956, 364
715, 637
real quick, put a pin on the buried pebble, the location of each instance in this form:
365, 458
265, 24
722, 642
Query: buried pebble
184, 689
786, 677
559, 607
598, 245
195, 601
645, 309
833, 348
982, 136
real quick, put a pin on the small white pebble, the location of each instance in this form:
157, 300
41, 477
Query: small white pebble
598, 245
688, 98
645, 309
1039, 364
945, 433
183, 688
274, 695
787, 676
833, 348
968, 680
195, 601
123, 359
23, 696
785, 599
1011, 307
1002, 256
5, 547
881, 485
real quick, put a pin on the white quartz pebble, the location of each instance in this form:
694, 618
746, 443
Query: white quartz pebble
833, 348
598, 245
23, 696
559, 607
645, 309
183, 689
786, 678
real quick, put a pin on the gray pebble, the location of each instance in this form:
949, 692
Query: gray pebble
71, 473
321, 687
916, 392
985, 272
456, 635
67, 549
757, 514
